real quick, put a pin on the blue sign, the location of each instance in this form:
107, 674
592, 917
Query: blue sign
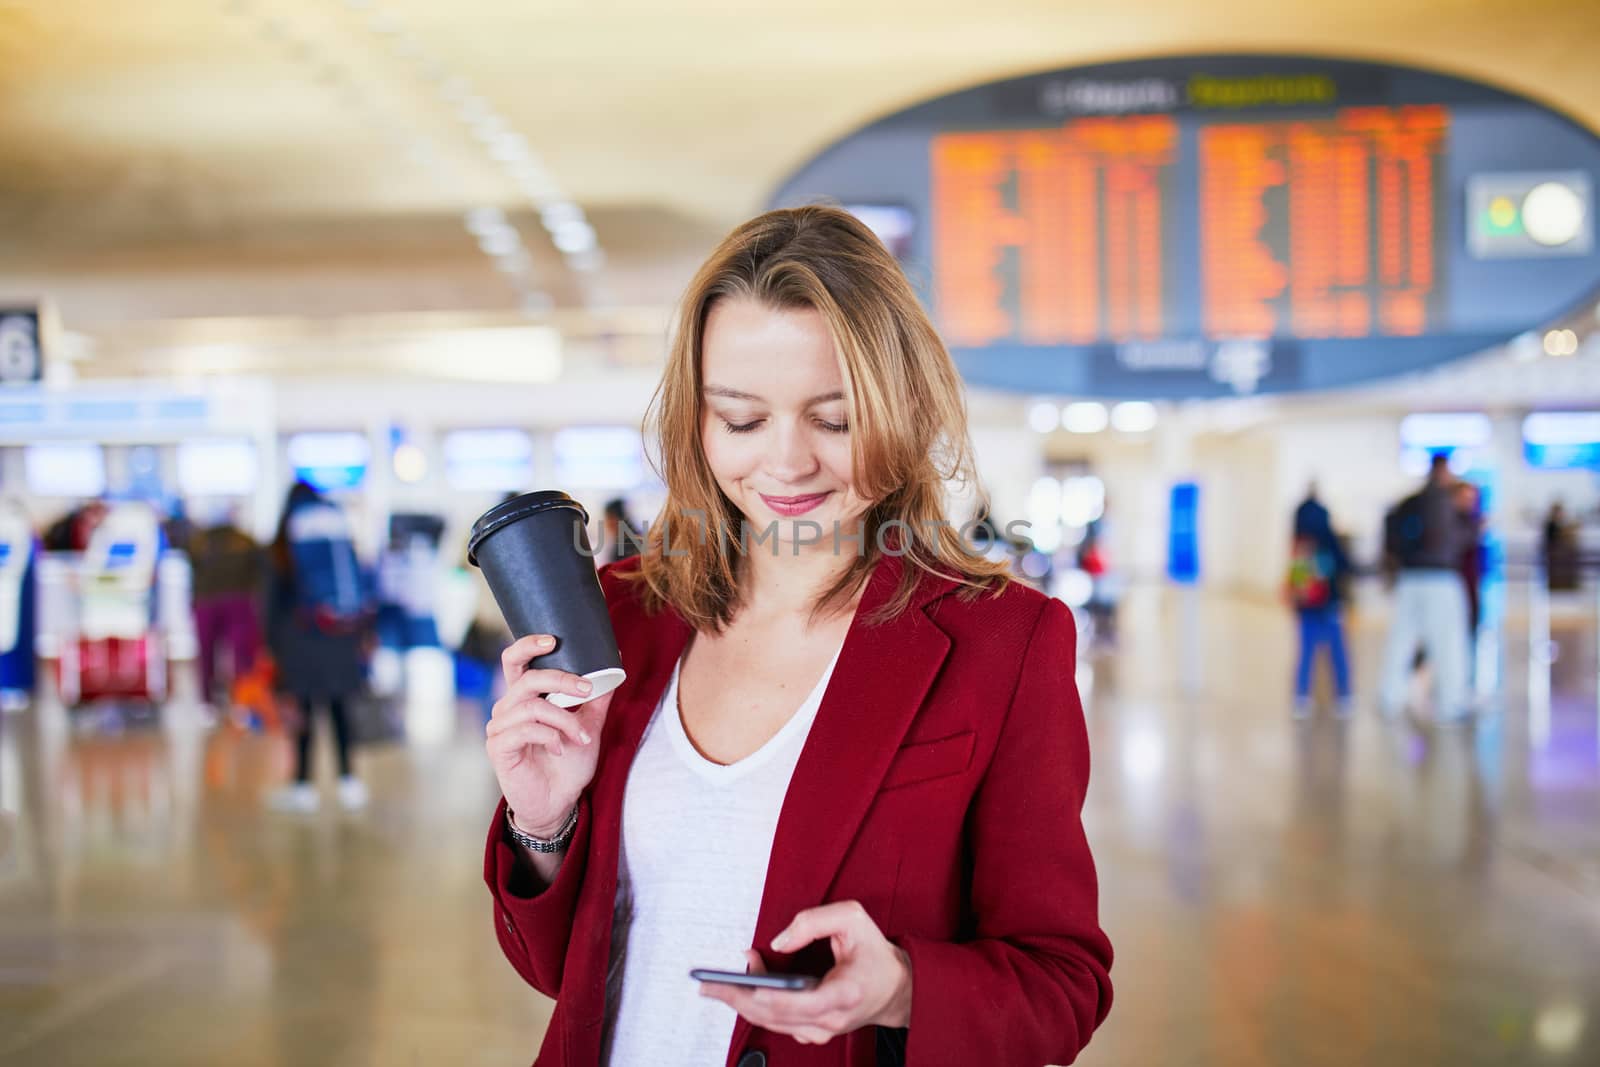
1183, 534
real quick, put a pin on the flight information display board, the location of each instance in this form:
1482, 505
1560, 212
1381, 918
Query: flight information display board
1054, 236
1215, 224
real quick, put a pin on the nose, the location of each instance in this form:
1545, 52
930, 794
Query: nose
792, 459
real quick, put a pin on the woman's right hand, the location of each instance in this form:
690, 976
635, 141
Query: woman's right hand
539, 751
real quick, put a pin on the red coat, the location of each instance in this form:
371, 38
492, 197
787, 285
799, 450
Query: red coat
941, 786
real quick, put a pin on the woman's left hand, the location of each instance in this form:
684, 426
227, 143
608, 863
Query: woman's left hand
869, 985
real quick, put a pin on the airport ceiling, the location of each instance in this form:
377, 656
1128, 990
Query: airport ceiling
209, 133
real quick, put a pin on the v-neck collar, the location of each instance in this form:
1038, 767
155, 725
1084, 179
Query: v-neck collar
727, 773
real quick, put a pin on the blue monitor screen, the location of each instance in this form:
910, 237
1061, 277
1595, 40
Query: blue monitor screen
330, 461
1562, 440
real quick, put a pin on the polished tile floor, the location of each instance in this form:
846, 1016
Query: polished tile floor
1307, 893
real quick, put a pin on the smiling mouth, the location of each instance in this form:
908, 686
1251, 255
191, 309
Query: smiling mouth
791, 500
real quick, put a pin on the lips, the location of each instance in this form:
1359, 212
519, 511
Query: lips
794, 505
792, 500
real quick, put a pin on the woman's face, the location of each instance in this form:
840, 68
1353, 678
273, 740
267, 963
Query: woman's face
774, 425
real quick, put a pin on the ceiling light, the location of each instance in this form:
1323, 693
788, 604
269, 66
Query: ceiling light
1134, 416
1560, 343
1044, 417
1085, 417
485, 219
502, 241
488, 128
508, 148
574, 239
560, 213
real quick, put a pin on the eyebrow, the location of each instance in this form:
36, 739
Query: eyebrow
735, 394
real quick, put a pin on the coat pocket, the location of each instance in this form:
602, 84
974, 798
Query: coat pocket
925, 761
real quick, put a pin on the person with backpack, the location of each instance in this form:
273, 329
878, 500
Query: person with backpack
1424, 537
1318, 568
317, 623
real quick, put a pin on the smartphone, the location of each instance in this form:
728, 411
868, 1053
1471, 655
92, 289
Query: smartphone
791, 982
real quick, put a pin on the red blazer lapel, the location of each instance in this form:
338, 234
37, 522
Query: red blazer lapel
878, 685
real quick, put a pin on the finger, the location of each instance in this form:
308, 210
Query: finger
539, 685
514, 660
753, 963
539, 711
842, 919
511, 741
764, 1008
735, 997
746, 1002
810, 1035
549, 680
591, 715
830, 1002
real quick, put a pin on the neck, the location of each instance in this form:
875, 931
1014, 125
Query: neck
786, 584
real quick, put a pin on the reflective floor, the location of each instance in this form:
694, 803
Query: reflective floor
1278, 892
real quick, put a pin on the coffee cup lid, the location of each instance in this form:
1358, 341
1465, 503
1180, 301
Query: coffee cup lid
518, 507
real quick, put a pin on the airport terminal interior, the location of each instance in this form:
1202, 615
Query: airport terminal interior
1227, 286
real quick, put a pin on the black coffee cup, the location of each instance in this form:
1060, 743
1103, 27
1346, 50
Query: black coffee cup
534, 552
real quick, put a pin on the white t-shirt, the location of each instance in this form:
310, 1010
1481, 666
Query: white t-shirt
696, 838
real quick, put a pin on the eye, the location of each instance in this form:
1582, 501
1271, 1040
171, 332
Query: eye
740, 428
834, 427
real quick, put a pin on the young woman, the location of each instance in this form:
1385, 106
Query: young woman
846, 747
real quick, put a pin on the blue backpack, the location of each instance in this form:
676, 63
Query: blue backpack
328, 578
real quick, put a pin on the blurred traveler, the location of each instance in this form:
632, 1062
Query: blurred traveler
177, 528
72, 531
19, 555
317, 624
1558, 549
1095, 561
1425, 536
622, 537
228, 574
1470, 563
914, 812
1318, 570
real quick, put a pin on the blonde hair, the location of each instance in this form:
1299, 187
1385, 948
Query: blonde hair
907, 415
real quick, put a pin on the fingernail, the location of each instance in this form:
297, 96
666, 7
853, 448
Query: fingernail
546, 642
585, 687
583, 735
780, 941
